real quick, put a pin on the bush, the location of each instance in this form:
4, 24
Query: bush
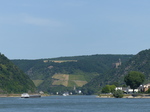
118, 94
108, 89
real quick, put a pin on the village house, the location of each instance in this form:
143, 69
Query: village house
142, 88
126, 89
146, 87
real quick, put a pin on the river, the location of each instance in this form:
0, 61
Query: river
73, 104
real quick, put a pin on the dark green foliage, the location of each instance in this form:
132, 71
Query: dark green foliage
12, 79
116, 84
25, 65
108, 89
118, 94
139, 62
134, 79
87, 66
97, 69
89, 91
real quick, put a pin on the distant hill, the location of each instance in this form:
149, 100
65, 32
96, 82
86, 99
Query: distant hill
139, 62
63, 73
12, 79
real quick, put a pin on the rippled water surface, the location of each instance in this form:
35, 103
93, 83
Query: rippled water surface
74, 104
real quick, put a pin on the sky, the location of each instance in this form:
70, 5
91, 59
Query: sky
37, 29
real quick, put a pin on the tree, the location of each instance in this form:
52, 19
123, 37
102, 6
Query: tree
108, 89
112, 88
118, 94
134, 79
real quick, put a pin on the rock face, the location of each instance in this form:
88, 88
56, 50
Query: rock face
12, 79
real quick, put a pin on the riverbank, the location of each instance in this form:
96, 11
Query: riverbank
19, 95
125, 96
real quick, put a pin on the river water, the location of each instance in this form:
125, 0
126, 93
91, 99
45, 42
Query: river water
74, 104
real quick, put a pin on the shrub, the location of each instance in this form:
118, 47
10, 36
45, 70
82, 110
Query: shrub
108, 89
118, 94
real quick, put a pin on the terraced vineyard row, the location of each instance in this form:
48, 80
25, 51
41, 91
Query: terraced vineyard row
69, 80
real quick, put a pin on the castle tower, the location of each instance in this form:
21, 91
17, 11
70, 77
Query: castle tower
118, 63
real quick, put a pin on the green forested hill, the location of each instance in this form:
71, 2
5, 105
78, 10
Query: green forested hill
139, 62
62, 74
12, 79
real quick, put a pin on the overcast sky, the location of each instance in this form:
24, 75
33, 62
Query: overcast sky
35, 29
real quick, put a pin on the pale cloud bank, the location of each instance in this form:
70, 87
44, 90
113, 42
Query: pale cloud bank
40, 21
24, 19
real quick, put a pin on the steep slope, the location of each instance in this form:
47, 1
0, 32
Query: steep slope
57, 73
139, 62
12, 79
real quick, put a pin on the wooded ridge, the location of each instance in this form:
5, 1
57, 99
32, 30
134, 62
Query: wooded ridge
65, 73
12, 79
87, 73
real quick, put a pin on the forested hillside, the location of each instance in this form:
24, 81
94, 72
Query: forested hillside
62, 74
139, 62
12, 79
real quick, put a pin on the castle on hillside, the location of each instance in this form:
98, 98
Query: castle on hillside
117, 64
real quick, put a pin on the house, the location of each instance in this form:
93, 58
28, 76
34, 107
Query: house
127, 89
146, 87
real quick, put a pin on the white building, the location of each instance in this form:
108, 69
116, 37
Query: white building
127, 89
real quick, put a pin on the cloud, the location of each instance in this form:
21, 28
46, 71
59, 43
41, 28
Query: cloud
29, 20
40, 21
